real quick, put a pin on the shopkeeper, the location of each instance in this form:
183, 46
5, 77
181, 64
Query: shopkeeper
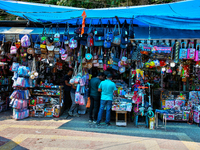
67, 89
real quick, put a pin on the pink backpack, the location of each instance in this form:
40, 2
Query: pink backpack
25, 41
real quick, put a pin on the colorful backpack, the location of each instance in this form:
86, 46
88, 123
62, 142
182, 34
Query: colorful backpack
25, 41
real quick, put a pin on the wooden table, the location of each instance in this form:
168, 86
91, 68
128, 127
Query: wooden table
120, 123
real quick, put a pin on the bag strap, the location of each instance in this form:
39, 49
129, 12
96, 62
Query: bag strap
183, 43
38, 37
89, 26
100, 22
191, 43
198, 44
119, 28
44, 31
77, 23
57, 29
31, 40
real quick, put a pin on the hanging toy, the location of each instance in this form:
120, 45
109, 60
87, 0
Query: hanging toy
133, 73
152, 64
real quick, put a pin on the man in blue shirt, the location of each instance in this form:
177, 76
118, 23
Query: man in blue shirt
95, 96
107, 88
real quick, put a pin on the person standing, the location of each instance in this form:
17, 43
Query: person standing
95, 96
73, 111
107, 88
67, 89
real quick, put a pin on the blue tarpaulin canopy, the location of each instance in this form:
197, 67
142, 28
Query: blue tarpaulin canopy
180, 15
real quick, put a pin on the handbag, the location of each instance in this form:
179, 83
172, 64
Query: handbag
109, 34
78, 30
88, 56
66, 32
197, 56
107, 44
49, 40
36, 45
183, 51
99, 31
13, 49
116, 36
90, 30
191, 51
124, 35
57, 35
43, 37
73, 43
131, 30
99, 42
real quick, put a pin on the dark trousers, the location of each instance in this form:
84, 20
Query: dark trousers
67, 100
94, 106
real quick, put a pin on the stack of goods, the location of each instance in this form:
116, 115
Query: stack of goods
19, 98
120, 104
194, 97
19, 102
178, 107
46, 101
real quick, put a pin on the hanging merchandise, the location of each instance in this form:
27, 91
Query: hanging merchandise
73, 43
125, 33
37, 46
197, 56
88, 56
176, 57
99, 35
13, 49
25, 41
57, 36
131, 30
191, 51
183, 51
116, 35
66, 34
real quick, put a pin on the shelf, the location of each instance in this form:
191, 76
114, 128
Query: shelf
43, 95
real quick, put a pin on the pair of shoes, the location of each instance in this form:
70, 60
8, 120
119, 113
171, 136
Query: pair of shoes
108, 124
76, 115
70, 113
94, 121
90, 121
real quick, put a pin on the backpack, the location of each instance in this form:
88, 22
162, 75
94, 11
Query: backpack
25, 41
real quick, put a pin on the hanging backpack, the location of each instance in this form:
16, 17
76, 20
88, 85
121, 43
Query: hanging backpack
25, 41
124, 35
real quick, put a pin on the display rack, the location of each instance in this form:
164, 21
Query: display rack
45, 107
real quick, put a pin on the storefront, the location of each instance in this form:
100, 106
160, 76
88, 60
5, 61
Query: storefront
143, 60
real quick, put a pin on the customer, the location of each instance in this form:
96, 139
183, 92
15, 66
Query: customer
95, 96
107, 88
67, 89
73, 111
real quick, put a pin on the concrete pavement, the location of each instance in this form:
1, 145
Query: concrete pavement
77, 133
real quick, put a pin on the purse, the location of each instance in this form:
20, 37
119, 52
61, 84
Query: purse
99, 31
88, 56
57, 35
183, 51
197, 56
43, 37
13, 49
66, 32
191, 51
116, 36
131, 30
109, 34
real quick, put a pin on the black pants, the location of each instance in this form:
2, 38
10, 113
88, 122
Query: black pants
67, 100
94, 106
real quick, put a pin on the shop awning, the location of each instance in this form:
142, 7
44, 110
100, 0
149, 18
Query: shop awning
179, 15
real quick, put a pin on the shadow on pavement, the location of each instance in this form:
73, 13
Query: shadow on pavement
7, 144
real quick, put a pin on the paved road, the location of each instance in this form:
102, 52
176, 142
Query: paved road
77, 133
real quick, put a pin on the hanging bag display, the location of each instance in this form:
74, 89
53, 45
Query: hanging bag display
183, 51
57, 35
25, 41
66, 34
197, 56
131, 30
88, 56
13, 48
191, 51
125, 33
90, 41
43, 37
108, 37
116, 35
50, 38
99, 35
